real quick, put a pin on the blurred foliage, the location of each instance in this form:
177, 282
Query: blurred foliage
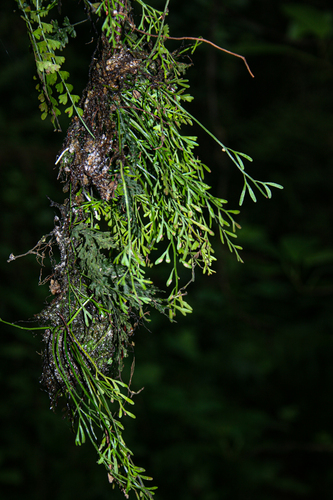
237, 399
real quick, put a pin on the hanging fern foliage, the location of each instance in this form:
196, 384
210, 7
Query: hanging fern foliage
135, 186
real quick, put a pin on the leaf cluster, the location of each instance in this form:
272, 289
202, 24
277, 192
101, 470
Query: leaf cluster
110, 282
138, 197
47, 39
97, 401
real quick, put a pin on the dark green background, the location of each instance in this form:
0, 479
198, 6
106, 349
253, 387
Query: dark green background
238, 396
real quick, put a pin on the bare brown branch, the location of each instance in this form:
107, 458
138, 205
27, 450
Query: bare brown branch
205, 41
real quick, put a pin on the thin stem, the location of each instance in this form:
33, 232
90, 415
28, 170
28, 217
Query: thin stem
23, 327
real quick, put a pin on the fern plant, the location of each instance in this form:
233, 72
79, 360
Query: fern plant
136, 188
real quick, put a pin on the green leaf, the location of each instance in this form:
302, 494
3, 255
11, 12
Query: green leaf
47, 66
75, 98
250, 190
37, 33
59, 60
273, 184
268, 191
169, 281
242, 196
161, 258
47, 28
60, 87
51, 78
63, 98
245, 156
64, 74
69, 111
126, 412
240, 161
53, 44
